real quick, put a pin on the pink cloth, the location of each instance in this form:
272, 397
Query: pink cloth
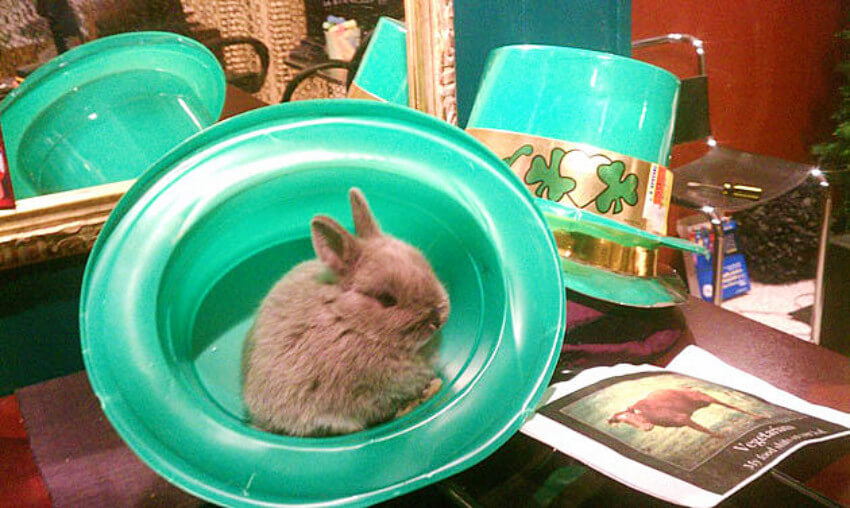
600, 333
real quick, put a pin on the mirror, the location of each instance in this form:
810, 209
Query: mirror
66, 223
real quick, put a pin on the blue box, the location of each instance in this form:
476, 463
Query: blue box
736, 280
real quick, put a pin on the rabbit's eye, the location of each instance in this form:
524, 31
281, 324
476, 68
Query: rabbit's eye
386, 299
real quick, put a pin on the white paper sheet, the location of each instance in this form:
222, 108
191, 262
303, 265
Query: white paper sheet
772, 441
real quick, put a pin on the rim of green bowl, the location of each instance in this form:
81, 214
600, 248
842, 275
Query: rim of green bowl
663, 290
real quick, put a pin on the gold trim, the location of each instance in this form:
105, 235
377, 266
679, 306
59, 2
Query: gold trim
604, 182
431, 57
601, 253
355, 92
56, 225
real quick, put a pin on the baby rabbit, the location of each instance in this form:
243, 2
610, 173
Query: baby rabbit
337, 343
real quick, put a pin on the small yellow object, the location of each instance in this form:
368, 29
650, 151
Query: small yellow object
734, 190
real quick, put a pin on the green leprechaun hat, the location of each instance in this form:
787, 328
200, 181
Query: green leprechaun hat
589, 134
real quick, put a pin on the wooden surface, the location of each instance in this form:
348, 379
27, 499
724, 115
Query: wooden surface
525, 469
799, 367
806, 370
238, 101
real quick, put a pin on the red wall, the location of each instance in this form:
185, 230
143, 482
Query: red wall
770, 65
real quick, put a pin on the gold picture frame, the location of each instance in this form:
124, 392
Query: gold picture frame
431, 57
56, 225
64, 224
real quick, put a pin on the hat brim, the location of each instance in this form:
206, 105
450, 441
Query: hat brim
663, 289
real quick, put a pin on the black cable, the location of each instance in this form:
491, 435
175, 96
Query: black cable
358, 57
63, 23
309, 71
218, 44
351, 67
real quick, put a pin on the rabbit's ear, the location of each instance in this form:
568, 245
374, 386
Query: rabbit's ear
335, 246
365, 224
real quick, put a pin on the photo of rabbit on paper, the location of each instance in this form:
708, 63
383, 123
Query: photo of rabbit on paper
338, 343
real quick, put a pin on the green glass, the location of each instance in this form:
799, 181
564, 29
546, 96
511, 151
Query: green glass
105, 111
176, 276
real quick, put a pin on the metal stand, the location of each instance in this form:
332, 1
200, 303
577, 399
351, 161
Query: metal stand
709, 184
719, 246
817, 305
716, 219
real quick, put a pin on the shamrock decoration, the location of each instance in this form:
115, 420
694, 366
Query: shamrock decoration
549, 176
524, 150
618, 188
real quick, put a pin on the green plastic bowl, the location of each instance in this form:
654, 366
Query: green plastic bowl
175, 278
105, 111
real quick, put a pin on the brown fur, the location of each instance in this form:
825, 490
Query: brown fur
671, 407
337, 343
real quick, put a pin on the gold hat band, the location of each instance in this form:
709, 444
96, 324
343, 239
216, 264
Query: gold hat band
598, 252
626, 189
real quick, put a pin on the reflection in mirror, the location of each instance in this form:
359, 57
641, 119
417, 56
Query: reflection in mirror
255, 42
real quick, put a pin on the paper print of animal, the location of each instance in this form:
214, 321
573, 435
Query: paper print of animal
671, 407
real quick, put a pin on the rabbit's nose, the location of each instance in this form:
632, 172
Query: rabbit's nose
443, 312
436, 318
